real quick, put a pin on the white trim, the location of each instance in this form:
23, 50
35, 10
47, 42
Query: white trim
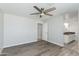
1, 50
18, 44
61, 45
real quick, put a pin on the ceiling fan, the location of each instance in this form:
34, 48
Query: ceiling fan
42, 11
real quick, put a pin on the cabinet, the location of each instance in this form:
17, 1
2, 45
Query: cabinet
68, 37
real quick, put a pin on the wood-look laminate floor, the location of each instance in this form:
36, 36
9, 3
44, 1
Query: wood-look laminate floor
42, 48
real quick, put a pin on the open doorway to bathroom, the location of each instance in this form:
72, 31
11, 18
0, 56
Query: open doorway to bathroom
71, 30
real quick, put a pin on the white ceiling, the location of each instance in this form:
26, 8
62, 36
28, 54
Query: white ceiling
24, 9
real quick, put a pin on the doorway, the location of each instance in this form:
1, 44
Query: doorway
39, 29
71, 30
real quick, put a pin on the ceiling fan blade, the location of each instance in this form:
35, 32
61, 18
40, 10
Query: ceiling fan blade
37, 8
50, 9
34, 13
49, 14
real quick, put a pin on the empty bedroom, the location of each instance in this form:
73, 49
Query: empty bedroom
39, 29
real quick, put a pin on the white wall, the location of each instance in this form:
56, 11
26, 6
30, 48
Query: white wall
1, 30
72, 20
19, 30
56, 30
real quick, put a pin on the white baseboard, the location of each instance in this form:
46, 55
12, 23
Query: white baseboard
1, 50
6, 46
61, 45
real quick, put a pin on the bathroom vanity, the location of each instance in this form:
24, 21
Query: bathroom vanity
69, 36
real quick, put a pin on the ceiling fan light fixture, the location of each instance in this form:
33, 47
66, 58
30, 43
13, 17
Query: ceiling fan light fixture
42, 14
